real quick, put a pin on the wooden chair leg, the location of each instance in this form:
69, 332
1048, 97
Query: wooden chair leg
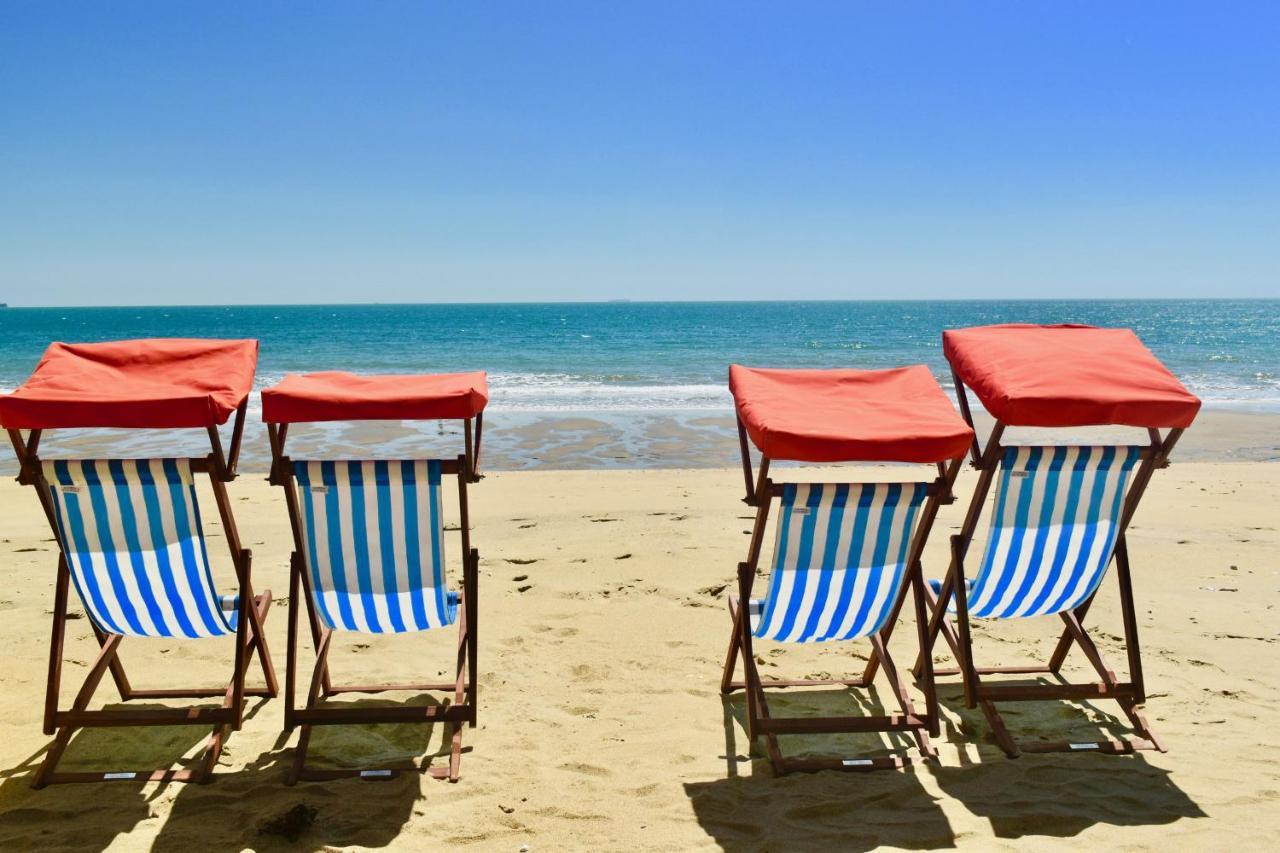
258, 614
899, 688
313, 698
735, 640
54, 684
998, 728
937, 619
106, 655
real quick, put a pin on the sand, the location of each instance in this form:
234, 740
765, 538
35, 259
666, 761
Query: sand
602, 634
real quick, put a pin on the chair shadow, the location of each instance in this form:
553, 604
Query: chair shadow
825, 810
91, 816
339, 813
1055, 794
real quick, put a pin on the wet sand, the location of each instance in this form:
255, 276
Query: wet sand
521, 441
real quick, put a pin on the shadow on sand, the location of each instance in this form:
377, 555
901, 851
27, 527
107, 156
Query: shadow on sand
267, 814
1055, 794
828, 810
91, 816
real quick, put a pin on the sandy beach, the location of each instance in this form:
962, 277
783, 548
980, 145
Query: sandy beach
602, 632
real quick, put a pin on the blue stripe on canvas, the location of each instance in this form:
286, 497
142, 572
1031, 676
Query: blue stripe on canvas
115, 566
360, 546
1083, 513
780, 552
109, 555
802, 585
160, 549
799, 577
832, 544
900, 560
413, 553
303, 475
437, 542
866, 497
376, 559
336, 577
386, 544
129, 527
78, 560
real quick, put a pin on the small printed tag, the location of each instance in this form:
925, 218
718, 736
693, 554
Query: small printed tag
107, 777
320, 490
375, 774
1083, 745
800, 510
70, 490
857, 762
1019, 473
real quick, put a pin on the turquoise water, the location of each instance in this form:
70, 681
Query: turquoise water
620, 384
600, 357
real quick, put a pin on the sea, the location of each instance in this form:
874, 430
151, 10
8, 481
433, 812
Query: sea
617, 384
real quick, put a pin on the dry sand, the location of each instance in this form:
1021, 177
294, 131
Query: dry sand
601, 725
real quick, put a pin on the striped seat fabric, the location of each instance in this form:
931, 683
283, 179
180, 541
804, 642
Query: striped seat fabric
375, 544
838, 562
130, 529
1053, 531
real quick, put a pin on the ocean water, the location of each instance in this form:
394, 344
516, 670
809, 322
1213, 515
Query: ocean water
622, 363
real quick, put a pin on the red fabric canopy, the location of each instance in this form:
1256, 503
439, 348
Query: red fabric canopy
157, 383
337, 396
1063, 376
898, 415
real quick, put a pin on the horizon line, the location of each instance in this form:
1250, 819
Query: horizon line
372, 304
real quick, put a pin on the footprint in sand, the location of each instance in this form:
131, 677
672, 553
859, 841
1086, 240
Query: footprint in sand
586, 769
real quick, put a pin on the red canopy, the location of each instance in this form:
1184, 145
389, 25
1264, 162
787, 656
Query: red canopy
898, 415
156, 383
1063, 376
337, 396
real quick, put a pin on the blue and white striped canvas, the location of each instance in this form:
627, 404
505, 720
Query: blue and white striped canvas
130, 529
838, 562
375, 544
1053, 531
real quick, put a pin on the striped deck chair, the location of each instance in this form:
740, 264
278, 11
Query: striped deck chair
133, 547
842, 559
371, 559
1057, 524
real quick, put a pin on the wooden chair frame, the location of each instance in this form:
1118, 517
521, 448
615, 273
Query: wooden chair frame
1130, 694
760, 721
250, 641
461, 711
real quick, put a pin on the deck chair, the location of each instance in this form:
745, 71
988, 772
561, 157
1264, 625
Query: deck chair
1054, 531
839, 567
133, 547
130, 535
846, 555
370, 556
1059, 514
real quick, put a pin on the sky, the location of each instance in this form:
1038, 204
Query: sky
273, 152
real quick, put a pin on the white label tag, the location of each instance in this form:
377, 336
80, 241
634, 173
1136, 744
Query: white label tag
70, 490
1019, 473
320, 490
857, 762
800, 510
1083, 745
374, 774
107, 777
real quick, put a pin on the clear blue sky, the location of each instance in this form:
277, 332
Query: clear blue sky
304, 152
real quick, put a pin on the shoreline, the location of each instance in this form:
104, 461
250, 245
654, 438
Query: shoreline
606, 440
